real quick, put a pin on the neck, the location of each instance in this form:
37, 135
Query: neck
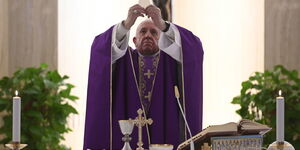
152, 55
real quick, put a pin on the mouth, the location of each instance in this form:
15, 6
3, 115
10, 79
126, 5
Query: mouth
147, 43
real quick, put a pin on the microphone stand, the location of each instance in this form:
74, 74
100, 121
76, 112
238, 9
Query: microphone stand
177, 95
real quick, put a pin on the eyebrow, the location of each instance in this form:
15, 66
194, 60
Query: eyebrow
143, 29
153, 30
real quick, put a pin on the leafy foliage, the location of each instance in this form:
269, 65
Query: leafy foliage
45, 107
258, 101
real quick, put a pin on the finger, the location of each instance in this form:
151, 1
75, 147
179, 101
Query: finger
141, 15
139, 8
153, 11
150, 7
152, 14
141, 11
138, 11
135, 6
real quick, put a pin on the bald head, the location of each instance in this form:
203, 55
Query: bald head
147, 23
146, 38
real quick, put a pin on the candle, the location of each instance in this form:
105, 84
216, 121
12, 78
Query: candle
16, 118
280, 118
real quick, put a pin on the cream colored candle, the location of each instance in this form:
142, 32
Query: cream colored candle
16, 118
280, 118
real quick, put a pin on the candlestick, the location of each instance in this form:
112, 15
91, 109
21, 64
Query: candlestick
15, 146
280, 144
16, 136
16, 118
280, 118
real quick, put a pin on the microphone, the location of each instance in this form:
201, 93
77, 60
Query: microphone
177, 95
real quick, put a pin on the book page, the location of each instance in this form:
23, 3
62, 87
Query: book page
251, 127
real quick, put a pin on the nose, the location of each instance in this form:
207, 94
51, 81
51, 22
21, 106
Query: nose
148, 34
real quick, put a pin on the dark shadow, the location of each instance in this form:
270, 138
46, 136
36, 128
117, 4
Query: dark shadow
165, 7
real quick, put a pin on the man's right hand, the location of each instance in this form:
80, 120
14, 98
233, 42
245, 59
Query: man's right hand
133, 12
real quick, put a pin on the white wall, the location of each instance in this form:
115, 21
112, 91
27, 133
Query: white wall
79, 22
231, 32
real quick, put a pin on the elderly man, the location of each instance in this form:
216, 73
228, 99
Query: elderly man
122, 80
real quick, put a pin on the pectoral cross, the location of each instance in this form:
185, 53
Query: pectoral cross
140, 121
148, 74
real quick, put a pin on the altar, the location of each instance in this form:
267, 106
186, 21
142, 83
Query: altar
245, 142
243, 135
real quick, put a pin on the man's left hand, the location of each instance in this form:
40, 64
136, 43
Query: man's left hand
155, 14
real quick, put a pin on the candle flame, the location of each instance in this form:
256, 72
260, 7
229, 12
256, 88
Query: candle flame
279, 92
16, 93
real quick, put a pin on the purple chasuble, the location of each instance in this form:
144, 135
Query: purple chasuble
113, 94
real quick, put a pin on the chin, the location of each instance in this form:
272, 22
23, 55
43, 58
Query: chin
148, 51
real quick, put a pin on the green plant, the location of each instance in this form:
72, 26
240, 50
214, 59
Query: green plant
258, 101
45, 107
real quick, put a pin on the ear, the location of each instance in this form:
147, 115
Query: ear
134, 40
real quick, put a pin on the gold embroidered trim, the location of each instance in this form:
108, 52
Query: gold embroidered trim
142, 82
136, 83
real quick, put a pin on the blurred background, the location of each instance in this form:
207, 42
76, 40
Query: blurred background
239, 38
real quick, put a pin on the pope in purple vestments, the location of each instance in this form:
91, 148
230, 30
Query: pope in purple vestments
122, 80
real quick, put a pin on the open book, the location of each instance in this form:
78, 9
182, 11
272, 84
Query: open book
243, 127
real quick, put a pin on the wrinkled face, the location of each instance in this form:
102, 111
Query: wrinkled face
146, 38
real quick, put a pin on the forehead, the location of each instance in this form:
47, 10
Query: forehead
147, 25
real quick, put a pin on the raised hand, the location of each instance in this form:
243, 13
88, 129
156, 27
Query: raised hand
133, 12
155, 14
